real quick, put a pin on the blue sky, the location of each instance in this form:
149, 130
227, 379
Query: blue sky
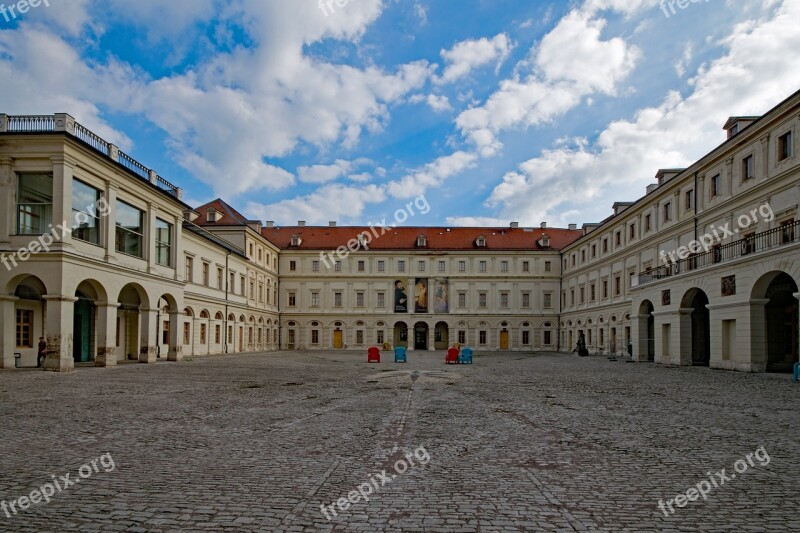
496, 111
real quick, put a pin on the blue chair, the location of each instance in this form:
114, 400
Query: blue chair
465, 357
796, 372
400, 355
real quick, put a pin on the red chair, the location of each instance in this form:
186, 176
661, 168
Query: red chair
374, 355
452, 356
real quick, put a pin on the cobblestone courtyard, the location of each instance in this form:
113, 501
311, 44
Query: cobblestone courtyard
516, 443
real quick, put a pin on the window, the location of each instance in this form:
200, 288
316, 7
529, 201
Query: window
689, 200
232, 282
785, 146
24, 328
292, 266
337, 267
605, 288
548, 266
189, 270
526, 338
206, 275
380, 337
401, 266
787, 232
34, 203
504, 300
548, 338
462, 337
85, 217
715, 186
749, 244
296, 240
547, 300
583, 256
292, 299
337, 299
667, 211
605, 245
462, 266
130, 230
748, 168
480, 242
187, 333
483, 266
618, 238
381, 266
592, 292
526, 300
572, 297
573, 259
482, 337
503, 266
314, 299
583, 294
421, 266
617, 286
359, 299
203, 333
362, 266
359, 337
632, 231
422, 241
217, 334
442, 266
315, 266
242, 282
462, 299
648, 222
482, 300
716, 256
314, 336
252, 293
381, 299
526, 266
220, 278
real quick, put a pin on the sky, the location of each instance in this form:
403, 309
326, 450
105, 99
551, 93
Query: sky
495, 111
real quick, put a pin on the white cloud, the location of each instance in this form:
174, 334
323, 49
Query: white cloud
324, 173
468, 55
431, 175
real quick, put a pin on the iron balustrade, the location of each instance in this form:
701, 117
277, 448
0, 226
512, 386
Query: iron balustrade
92, 139
31, 123
768, 240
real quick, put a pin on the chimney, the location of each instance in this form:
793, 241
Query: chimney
301, 223
651, 187
544, 225
270, 224
332, 224
573, 227
514, 225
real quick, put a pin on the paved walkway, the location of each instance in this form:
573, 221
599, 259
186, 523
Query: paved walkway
514, 442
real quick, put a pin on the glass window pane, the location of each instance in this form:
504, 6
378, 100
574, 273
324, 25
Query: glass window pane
85, 216
34, 203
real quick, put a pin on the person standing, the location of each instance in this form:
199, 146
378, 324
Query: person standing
42, 352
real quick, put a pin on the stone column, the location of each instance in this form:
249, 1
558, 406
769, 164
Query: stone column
685, 336
59, 311
106, 335
175, 342
109, 224
7, 333
758, 349
148, 330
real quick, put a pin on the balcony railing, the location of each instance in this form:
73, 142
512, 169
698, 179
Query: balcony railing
65, 123
760, 242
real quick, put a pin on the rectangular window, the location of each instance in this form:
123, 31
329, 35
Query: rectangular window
164, 333
632, 231
232, 283
548, 338
572, 297
785, 146
130, 230
787, 232
715, 186
748, 168
401, 266
187, 331
462, 299
381, 299
583, 294
217, 334
526, 338
583, 256
314, 299
164, 245
85, 216
667, 211
337, 267
618, 238
648, 222
442, 266
605, 245
592, 292
189, 270
359, 337
362, 266
359, 299
573, 259
548, 266
462, 337
547, 300
34, 203
24, 328
749, 244
504, 300
206, 275
380, 336
482, 300
421, 266
252, 290
617, 286
483, 266
315, 266
337, 299
242, 282
292, 266
605, 288
526, 300
314, 336
462, 266
220, 278
526, 266
689, 200
381, 266
503, 266
482, 337
292, 299
203, 333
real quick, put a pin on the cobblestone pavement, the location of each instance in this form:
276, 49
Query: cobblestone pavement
516, 443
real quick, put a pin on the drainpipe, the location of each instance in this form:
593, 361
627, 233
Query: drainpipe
560, 300
227, 288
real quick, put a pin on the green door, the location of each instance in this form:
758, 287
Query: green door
81, 334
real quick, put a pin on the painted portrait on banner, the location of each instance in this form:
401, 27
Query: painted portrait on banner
441, 296
400, 298
421, 296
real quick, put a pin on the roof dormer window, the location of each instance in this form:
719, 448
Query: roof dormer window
211, 215
544, 242
422, 241
480, 242
296, 240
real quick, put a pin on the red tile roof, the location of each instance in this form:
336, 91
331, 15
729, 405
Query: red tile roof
405, 238
230, 216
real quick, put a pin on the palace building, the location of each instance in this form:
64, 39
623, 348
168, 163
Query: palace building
102, 258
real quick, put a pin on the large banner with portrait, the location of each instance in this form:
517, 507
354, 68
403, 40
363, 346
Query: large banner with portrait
441, 295
421, 296
400, 298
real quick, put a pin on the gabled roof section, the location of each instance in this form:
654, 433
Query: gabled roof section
438, 238
229, 215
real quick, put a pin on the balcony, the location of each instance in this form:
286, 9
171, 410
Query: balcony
64, 123
761, 242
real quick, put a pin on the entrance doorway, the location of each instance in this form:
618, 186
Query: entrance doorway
504, 340
441, 338
338, 339
781, 315
421, 336
82, 329
700, 327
